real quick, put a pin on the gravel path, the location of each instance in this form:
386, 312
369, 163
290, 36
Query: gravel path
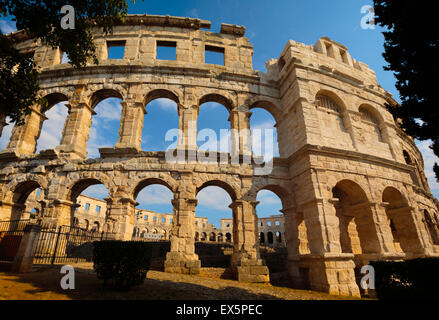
44, 283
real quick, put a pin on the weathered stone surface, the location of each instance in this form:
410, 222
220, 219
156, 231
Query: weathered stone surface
352, 184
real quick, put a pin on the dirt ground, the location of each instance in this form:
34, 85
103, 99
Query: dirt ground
43, 283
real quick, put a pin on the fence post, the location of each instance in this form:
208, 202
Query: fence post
56, 245
24, 259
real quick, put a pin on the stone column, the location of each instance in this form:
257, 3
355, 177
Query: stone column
131, 124
121, 214
182, 257
188, 127
76, 131
58, 212
240, 137
246, 261
329, 270
24, 259
291, 224
24, 137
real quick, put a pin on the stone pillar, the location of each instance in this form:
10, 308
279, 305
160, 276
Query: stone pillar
188, 127
24, 259
5, 210
291, 224
24, 137
121, 214
329, 270
58, 212
182, 257
409, 232
76, 131
131, 124
246, 261
240, 133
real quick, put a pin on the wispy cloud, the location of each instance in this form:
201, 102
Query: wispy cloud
429, 160
166, 104
155, 194
98, 191
7, 26
51, 131
214, 198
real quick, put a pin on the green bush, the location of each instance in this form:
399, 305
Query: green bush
121, 264
410, 279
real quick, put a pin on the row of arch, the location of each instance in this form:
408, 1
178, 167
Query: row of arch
103, 94
213, 237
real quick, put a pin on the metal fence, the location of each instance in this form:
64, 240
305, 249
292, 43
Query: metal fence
11, 233
67, 244
61, 244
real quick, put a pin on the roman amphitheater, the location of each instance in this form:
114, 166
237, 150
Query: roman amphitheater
351, 183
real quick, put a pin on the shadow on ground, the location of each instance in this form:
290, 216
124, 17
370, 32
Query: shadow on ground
46, 279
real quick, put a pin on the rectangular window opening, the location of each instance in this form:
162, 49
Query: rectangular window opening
329, 50
166, 50
98, 209
214, 55
87, 206
343, 55
116, 49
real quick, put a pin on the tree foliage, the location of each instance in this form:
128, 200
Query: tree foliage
42, 20
411, 51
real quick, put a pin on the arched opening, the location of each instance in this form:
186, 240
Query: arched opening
161, 116
371, 124
269, 206
220, 237
52, 128
154, 198
228, 237
432, 228
22, 200
213, 124
212, 237
203, 236
278, 237
264, 134
197, 236
104, 131
261, 238
90, 198
407, 158
357, 229
270, 237
331, 114
400, 220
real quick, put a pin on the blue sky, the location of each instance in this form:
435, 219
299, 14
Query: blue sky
269, 25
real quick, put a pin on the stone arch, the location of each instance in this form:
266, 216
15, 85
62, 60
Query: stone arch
212, 236
336, 99
98, 92
268, 105
221, 184
228, 237
374, 119
75, 188
203, 236
431, 227
357, 228
270, 238
53, 99
166, 181
401, 220
220, 98
197, 236
220, 237
407, 158
162, 93
261, 238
